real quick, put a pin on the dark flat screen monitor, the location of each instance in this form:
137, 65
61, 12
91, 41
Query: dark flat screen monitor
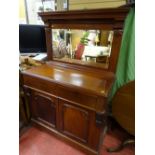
32, 39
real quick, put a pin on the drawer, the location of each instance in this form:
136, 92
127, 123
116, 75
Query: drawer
39, 83
71, 95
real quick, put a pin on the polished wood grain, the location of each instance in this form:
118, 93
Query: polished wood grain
78, 117
46, 108
49, 42
43, 107
115, 50
86, 82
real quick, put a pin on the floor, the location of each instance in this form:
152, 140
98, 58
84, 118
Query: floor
37, 142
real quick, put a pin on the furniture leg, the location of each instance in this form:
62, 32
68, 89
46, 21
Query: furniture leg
121, 146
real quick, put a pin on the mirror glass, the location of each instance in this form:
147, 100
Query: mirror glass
88, 47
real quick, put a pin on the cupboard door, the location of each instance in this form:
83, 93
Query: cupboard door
75, 121
44, 108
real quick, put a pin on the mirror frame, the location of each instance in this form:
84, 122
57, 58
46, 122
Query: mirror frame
104, 19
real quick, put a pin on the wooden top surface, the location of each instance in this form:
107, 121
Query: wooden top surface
97, 84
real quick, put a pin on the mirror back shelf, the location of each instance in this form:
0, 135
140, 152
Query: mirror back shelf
90, 39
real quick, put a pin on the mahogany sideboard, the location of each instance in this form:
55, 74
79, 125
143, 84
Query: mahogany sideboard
71, 104
70, 100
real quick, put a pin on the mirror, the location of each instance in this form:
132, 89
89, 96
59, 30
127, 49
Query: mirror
89, 47
104, 26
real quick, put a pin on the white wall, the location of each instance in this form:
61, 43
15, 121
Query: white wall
32, 8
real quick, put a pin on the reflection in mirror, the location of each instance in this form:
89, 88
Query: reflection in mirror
89, 47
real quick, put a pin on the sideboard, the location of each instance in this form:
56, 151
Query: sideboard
69, 99
69, 103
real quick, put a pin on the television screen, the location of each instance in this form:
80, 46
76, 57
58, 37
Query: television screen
32, 39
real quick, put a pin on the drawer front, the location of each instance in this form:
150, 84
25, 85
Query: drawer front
83, 99
40, 84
